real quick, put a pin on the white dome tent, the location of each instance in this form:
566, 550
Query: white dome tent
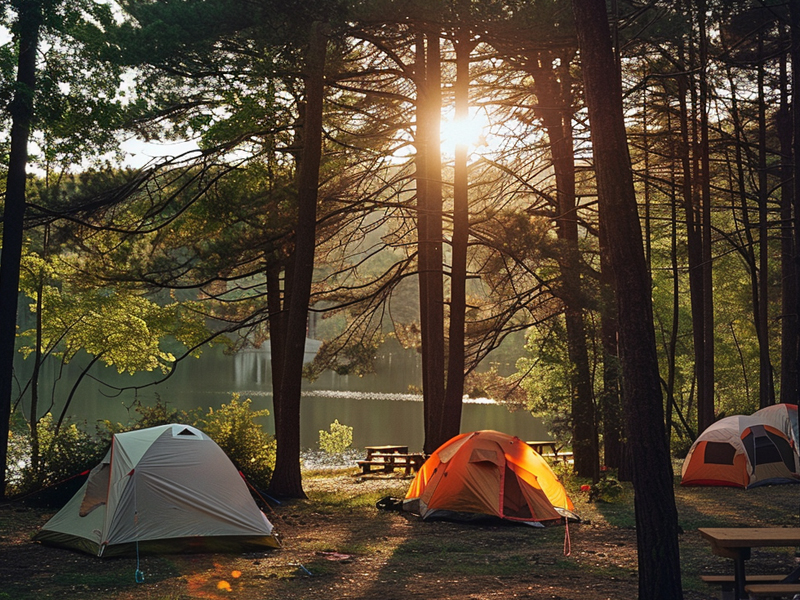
169, 488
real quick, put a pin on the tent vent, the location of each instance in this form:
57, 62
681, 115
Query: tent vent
187, 432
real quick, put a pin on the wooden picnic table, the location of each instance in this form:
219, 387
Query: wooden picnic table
389, 458
371, 450
736, 542
541, 445
550, 449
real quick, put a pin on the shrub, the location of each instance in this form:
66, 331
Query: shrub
337, 440
148, 416
68, 453
607, 489
234, 428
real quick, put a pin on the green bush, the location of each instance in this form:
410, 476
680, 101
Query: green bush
607, 489
234, 428
70, 452
148, 416
337, 440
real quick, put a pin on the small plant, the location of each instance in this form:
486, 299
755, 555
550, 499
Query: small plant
337, 440
607, 489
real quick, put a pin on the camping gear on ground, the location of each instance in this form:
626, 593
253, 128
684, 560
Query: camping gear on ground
746, 450
163, 489
488, 473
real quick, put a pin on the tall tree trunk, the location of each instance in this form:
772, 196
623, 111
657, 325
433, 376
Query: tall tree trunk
694, 247
29, 21
277, 334
789, 323
555, 111
454, 392
286, 480
656, 514
705, 398
766, 390
794, 35
429, 206
748, 246
611, 401
421, 180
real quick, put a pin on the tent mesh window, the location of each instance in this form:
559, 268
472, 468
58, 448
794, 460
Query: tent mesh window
764, 447
719, 453
766, 450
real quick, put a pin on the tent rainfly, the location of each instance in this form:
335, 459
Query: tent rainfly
163, 489
488, 473
746, 451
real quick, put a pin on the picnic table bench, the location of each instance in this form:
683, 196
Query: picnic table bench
727, 583
736, 543
388, 458
772, 590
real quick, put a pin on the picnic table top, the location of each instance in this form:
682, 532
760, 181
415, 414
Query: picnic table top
387, 449
750, 537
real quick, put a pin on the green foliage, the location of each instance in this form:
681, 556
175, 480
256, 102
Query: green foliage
235, 428
490, 384
148, 416
69, 452
546, 378
121, 327
608, 489
337, 440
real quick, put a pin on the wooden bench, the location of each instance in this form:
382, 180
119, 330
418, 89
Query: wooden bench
727, 582
387, 463
772, 590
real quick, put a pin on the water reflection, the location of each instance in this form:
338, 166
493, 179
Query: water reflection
382, 407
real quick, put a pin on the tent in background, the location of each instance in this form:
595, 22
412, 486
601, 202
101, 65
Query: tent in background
746, 451
488, 473
163, 489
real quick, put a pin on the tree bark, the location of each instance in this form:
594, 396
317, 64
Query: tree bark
612, 401
454, 391
794, 35
789, 322
429, 206
286, 480
766, 390
656, 514
29, 22
556, 114
694, 250
705, 398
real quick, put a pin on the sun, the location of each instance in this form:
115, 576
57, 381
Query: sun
470, 132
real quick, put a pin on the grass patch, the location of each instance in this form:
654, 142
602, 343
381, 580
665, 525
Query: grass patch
332, 501
421, 546
390, 555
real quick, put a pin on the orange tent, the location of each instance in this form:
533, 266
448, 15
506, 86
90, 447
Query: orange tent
488, 473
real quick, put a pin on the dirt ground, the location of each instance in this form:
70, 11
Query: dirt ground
337, 545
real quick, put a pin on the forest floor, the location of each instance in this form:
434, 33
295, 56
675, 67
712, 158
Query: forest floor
337, 544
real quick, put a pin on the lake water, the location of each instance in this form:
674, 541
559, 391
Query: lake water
379, 407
